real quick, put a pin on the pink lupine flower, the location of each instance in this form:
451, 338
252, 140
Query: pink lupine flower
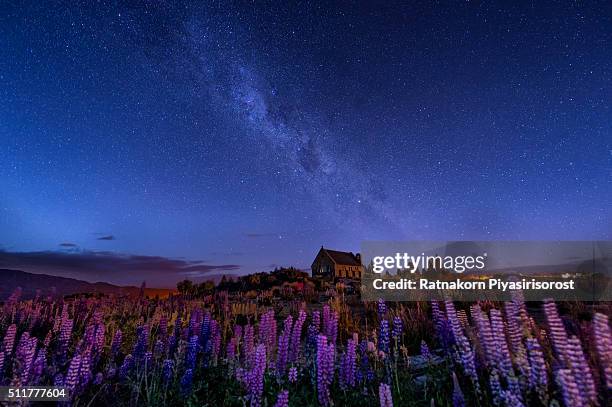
513, 320
9, 340
581, 370
85, 368
26, 350
485, 334
465, 353
538, 378
558, 335
603, 346
384, 395
502, 354
72, 376
569, 388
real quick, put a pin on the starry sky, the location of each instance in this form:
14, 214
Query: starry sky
168, 139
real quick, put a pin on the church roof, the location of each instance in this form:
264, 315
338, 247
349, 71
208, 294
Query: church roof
344, 258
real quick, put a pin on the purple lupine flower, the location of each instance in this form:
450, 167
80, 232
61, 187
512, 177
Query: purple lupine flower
1, 365
256, 376
192, 352
384, 395
237, 333
187, 383
163, 327
330, 323
65, 333
283, 346
283, 399
502, 354
603, 346
496, 389
85, 368
111, 372
485, 335
215, 341
442, 326
398, 328
116, 343
512, 399
311, 336
465, 352
142, 342
98, 340
58, 380
382, 307
194, 322
172, 345
126, 367
515, 335
365, 374
267, 330
383, 336
458, 397
25, 356
425, 350
316, 320
148, 358
581, 370
9, 340
538, 376
231, 349
178, 325
293, 374
98, 379
296, 335
325, 369
72, 376
348, 365
558, 335
569, 388
249, 333
159, 349
167, 369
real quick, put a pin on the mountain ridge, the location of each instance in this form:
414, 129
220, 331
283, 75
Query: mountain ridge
62, 286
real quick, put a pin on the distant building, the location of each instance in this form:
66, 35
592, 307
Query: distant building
334, 265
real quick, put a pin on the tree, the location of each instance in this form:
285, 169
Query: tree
185, 287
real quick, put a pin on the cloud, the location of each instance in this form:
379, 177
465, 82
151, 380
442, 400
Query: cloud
68, 244
107, 237
112, 267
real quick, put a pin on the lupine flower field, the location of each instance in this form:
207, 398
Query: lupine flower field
216, 351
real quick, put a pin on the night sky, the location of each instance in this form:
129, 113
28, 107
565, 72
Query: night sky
165, 140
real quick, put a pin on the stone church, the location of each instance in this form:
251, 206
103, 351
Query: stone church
334, 265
